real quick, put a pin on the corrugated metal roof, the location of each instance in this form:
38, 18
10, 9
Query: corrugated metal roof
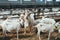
28, 2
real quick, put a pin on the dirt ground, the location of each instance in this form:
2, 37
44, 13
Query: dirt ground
29, 36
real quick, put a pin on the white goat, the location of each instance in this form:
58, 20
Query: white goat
11, 24
5, 12
17, 11
58, 26
25, 21
22, 19
47, 24
32, 20
47, 20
